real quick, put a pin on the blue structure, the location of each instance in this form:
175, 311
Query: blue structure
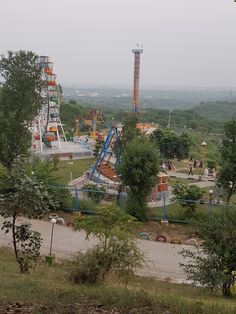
107, 150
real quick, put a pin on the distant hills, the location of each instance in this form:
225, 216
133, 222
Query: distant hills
216, 111
199, 110
165, 98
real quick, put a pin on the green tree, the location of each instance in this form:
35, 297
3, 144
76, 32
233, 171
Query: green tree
172, 145
44, 172
129, 131
187, 195
95, 192
227, 175
23, 195
117, 250
138, 171
97, 148
21, 98
217, 252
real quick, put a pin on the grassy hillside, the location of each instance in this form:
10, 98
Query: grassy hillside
48, 290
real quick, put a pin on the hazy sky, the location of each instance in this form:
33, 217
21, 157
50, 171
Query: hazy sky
186, 42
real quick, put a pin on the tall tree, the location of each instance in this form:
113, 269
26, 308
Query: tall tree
138, 170
227, 175
129, 131
21, 98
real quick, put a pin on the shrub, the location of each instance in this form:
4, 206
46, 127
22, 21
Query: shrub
95, 192
87, 267
117, 251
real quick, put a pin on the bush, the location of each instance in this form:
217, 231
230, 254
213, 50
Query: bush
87, 267
87, 205
117, 251
95, 192
187, 195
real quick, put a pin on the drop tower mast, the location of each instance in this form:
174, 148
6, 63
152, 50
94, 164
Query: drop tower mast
135, 104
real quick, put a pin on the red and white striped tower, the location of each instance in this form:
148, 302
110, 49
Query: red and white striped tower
137, 52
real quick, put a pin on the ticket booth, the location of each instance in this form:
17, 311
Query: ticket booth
162, 182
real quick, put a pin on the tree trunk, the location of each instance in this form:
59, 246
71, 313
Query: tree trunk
14, 236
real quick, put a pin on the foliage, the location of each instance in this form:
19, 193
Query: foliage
97, 148
55, 162
20, 101
86, 267
227, 175
28, 244
217, 253
138, 170
117, 250
129, 131
187, 195
172, 145
211, 164
44, 171
23, 195
95, 193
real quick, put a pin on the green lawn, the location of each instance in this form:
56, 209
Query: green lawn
49, 290
172, 181
76, 167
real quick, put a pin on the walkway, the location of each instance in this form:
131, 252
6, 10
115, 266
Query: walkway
162, 259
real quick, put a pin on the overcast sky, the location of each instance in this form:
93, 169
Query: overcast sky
186, 42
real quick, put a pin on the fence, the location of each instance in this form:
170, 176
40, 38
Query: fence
180, 210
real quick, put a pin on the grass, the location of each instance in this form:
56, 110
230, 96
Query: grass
49, 285
76, 167
177, 212
172, 181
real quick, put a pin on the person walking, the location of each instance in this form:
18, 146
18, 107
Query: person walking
190, 170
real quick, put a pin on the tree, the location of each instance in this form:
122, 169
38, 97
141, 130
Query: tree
21, 98
22, 194
171, 145
97, 148
117, 250
95, 192
217, 253
187, 195
227, 174
129, 131
138, 171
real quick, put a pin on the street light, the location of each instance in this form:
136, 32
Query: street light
53, 220
210, 199
203, 145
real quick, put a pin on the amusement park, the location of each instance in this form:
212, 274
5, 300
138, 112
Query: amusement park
116, 199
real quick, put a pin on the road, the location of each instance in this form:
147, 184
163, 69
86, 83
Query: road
162, 259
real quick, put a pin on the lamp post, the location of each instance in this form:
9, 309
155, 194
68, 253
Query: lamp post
53, 222
210, 199
203, 146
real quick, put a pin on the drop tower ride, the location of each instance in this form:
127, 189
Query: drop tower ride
137, 53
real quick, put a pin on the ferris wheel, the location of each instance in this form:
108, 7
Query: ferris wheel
47, 128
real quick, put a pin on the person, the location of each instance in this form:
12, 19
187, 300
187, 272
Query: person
206, 172
190, 170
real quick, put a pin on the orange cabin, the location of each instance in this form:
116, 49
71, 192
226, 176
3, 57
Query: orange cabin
162, 182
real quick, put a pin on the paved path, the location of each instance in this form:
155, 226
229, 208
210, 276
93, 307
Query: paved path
162, 260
